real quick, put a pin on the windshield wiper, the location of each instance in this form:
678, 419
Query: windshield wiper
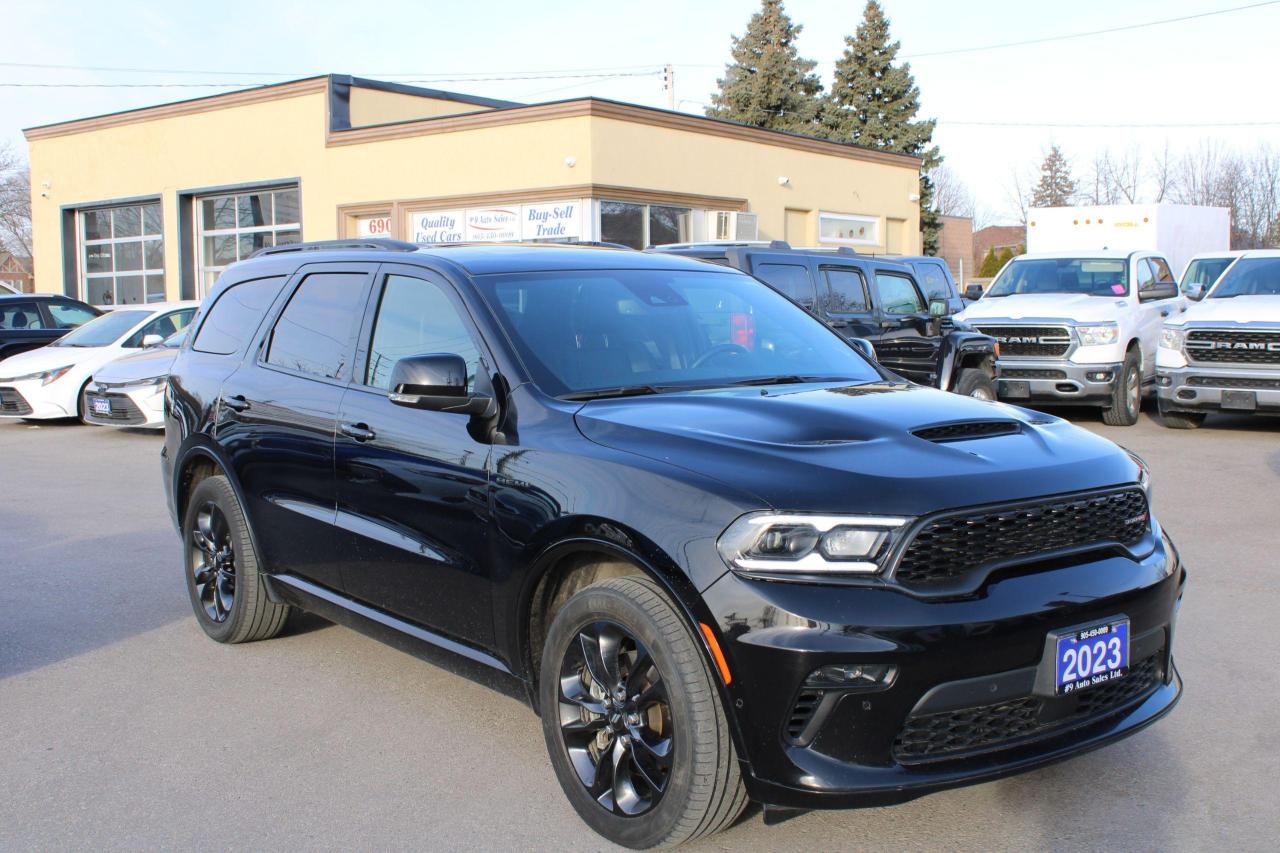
790, 380
621, 391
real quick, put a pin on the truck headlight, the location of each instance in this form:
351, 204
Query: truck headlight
1171, 338
1092, 336
771, 543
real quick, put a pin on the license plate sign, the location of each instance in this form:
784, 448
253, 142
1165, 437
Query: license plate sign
1244, 400
1092, 656
100, 405
1015, 388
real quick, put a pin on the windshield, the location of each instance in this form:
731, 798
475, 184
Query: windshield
102, 331
1204, 272
175, 340
1088, 276
612, 329
1249, 277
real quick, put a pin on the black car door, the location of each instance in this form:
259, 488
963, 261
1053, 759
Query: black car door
23, 327
844, 302
412, 497
278, 413
906, 345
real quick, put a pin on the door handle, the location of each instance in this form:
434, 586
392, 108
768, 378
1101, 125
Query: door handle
236, 402
360, 432
1165, 313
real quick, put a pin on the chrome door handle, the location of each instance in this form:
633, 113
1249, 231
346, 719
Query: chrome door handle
360, 432
236, 402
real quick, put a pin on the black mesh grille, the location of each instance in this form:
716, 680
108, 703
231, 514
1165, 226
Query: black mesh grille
801, 713
960, 432
13, 403
1222, 345
951, 734
1041, 341
1234, 382
1031, 373
948, 548
123, 411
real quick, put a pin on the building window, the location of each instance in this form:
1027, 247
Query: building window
640, 225
848, 229
122, 254
233, 227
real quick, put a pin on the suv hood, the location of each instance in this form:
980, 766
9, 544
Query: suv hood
1066, 307
1237, 309
852, 449
146, 364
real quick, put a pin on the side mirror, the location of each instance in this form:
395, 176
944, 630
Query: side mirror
1195, 292
864, 346
437, 382
1160, 290
149, 341
937, 308
973, 292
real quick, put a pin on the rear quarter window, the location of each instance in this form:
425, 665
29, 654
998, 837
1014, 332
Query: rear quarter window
933, 281
233, 319
792, 279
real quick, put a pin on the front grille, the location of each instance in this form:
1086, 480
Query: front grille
948, 548
1034, 341
123, 411
1234, 347
1031, 373
952, 734
963, 431
801, 713
1234, 382
13, 403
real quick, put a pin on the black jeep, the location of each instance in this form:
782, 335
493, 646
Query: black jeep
875, 299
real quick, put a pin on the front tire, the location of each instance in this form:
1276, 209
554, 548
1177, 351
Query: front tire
224, 579
974, 382
1126, 396
632, 719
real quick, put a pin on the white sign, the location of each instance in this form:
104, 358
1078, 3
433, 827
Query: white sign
438, 226
557, 220
373, 226
493, 224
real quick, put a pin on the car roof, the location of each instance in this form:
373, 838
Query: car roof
1225, 253
1253, 253
43, 297
1101, 254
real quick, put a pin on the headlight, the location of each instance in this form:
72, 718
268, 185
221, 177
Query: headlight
770, 543
1171, 338
45, 376
1092, 336
154, 380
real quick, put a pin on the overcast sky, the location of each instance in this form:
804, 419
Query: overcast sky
1217, 69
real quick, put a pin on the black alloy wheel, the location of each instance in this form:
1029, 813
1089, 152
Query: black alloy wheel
214, 562
615, 719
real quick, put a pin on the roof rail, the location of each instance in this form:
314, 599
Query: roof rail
779, 244
600, 244
375, 243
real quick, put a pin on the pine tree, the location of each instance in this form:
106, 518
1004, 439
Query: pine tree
990, 265
768, 84
875, 102
1056, 188
1006, 255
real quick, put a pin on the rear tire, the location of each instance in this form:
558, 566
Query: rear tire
224, 579
974, 382
1181, 420
665, 694
1126, 395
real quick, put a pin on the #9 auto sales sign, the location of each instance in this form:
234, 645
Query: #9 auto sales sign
493, 224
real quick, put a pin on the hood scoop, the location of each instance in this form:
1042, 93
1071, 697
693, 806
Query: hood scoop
967, 430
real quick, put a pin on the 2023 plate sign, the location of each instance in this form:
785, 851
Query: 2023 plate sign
1092, 656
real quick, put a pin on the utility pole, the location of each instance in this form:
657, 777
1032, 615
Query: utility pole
669, 85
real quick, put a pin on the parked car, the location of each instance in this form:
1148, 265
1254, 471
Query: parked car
32, 320
50, 382
873, 299
1223, 354
129, 391
1203, 270
722, 566
1079, 328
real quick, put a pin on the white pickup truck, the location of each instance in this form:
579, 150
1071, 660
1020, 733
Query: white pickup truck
1079, 327
1223, 353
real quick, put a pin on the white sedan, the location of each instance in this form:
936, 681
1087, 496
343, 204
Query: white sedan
129, 392
51, 382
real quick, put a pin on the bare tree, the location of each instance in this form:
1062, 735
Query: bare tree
1018, 193
1161, 173
15, 204
951, 197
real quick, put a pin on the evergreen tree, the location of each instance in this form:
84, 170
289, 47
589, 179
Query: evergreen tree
1056, 188
1006, 255
875, 102
990, 265
768, 84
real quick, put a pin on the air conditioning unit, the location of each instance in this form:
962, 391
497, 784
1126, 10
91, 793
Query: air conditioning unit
735, 225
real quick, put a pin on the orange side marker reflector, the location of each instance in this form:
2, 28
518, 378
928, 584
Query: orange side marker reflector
716, 653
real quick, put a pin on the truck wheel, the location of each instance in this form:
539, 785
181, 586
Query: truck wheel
1126, 396
632, 718
1181, 420
973, 382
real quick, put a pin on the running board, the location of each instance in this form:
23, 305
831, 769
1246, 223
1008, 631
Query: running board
349, 605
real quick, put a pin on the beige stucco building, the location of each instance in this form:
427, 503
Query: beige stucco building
152, 203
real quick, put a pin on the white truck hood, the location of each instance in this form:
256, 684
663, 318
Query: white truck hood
1067, 307
1237, 309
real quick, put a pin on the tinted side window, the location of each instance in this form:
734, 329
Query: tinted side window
933, 281
898, 295
1146, 278
68, 315
1162, 270
234, 318
848, 291
416, 317
317, 328
164, 326
791, 279
20, 315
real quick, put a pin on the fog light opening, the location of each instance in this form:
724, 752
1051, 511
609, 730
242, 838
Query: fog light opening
1164, 381
1186, 394
853, 676
1099, 376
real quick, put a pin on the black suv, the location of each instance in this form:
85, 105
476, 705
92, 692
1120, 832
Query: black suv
725, 555
876, 299
32, 320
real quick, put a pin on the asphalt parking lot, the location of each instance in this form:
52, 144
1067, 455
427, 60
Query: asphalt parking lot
123, 727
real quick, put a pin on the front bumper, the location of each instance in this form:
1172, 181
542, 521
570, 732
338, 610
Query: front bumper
1218, 388
1057, 381
33, 401
969, 662
129, 406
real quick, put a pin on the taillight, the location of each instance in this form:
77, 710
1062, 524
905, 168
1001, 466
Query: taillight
742, 330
